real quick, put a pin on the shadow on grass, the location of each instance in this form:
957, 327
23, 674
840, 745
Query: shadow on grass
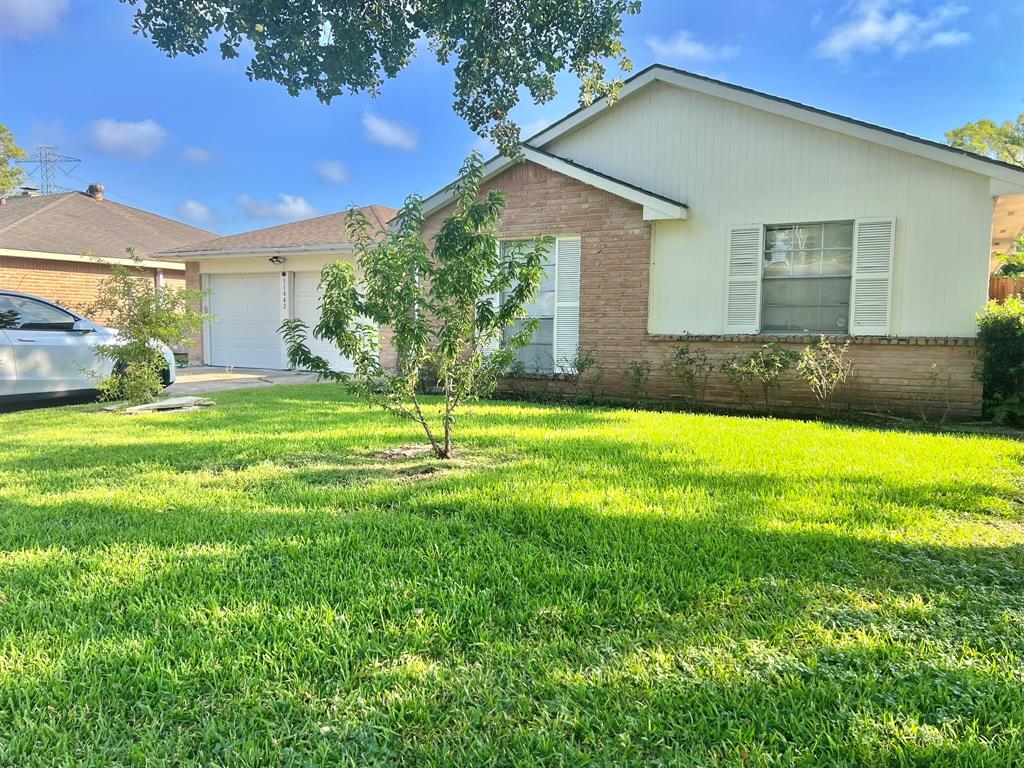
684, 613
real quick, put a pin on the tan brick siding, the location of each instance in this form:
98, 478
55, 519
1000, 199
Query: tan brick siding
614, 284
192, 283
70, 283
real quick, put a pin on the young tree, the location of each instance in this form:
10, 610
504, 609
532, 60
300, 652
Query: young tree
439, 304
1000, 141
10, 175
143, 315
333, 46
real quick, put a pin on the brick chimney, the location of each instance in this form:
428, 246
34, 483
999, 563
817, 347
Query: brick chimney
95, 191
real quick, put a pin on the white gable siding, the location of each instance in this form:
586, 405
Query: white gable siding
735, 165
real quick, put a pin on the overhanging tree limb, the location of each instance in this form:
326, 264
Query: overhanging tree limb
330, 47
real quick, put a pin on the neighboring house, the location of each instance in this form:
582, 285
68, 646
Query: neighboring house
49, 244
695, 211
255, 280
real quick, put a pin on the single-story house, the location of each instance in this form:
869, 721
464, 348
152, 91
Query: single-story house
254, 280
695, 211
49, 244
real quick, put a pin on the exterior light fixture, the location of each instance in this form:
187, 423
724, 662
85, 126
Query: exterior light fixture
276, 260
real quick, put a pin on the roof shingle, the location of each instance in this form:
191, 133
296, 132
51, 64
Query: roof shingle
323, 231
74, 222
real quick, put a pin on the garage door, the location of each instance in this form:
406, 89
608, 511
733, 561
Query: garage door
307, 307
246, 314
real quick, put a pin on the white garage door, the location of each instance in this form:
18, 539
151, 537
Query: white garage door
246, 315
307, 307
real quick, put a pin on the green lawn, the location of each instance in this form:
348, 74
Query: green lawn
249, 585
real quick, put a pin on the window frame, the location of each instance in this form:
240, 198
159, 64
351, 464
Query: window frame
820, 277
554, 310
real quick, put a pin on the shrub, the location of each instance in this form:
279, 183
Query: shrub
826, 370
691, 369
1001, 359
588, 372
637, 373
763, 368
142, 315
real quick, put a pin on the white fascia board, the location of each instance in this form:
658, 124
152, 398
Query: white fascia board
77, 257
998, 188
654, 207
233, 253
784, 108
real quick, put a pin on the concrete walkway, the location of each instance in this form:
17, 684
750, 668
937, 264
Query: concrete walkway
206, 378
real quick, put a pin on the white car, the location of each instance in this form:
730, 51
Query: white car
48, 351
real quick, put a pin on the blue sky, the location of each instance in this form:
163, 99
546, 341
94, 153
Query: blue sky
192, 138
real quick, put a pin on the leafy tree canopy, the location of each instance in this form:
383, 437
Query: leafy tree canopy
10, 175
333, 46
441, 305
1000, 141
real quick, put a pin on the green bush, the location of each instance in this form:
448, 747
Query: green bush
143, 316
1001, 332
691, 369
762, 368
637, 373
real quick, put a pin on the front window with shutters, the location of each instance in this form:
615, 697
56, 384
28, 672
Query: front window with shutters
806, 278
539, 355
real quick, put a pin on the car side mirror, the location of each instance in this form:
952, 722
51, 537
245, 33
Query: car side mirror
83, 326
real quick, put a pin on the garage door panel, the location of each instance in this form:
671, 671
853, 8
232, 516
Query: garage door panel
243, 332
306, 295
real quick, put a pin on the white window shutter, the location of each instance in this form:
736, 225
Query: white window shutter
874, 245
567, 308
743, 282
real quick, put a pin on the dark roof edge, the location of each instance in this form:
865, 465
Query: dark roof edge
607, 176
798, 105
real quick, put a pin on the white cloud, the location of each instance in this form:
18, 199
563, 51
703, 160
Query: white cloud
389, 133
684, 46
287, 208
196, 155
193, 210
21, 19
876, 25
332, 171
135, 141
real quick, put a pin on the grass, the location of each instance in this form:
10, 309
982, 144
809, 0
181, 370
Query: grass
250, 585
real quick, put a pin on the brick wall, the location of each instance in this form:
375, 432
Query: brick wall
195, 347
891, 375
73, 284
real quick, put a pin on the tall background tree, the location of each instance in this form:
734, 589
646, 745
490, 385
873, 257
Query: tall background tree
334, 46
1000, 141
11, 174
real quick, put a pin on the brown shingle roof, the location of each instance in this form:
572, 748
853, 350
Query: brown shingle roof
324, 231
74, 222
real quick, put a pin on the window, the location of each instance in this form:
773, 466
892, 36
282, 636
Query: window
539, 355
806, 278
27, 314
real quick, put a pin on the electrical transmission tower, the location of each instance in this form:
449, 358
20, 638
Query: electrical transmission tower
48, 161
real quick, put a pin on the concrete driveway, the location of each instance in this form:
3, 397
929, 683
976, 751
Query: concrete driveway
206, 378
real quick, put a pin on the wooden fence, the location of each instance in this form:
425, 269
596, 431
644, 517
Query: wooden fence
1001, 287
